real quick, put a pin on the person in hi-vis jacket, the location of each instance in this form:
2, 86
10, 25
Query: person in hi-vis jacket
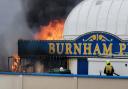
108, 70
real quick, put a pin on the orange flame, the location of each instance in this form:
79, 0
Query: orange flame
53, 31
15, 64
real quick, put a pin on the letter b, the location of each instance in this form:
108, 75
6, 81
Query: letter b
51, 48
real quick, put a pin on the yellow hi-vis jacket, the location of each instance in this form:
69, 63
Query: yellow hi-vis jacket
109, 70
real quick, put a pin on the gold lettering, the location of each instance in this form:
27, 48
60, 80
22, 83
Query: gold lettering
96, 50
122, 48
87, 48
77, 49
51, 48
108, 50
58, 48
68, 48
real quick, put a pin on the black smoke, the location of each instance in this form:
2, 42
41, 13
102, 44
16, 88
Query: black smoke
40, 12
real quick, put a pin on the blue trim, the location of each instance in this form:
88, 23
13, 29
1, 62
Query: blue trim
65, 75
10, 73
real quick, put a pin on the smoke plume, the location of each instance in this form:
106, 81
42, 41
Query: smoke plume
13, 26
40, 12
18, 17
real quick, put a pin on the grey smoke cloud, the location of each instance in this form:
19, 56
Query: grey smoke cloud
13, 26
16, 15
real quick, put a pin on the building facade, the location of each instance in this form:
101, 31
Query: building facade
98, 15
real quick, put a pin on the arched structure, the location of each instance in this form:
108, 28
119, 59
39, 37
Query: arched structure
98, 15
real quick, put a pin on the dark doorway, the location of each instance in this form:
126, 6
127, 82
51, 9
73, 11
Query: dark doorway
82, 67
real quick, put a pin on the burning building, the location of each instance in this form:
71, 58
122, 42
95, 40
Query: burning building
46, 20
99, 19
98, 15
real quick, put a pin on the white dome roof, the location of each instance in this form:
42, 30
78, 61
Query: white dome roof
98, 15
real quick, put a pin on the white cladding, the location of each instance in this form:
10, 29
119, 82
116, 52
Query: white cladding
99, 15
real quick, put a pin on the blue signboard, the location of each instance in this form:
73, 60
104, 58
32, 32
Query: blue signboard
92, 44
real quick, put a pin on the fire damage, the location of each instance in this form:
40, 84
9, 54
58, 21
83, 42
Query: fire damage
46, 20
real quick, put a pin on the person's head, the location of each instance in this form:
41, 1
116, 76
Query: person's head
108, 62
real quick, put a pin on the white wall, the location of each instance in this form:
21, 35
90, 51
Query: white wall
96, 65
73, 65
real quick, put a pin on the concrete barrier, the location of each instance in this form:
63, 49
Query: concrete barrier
96, 83
61, 82
47, 82
10, 82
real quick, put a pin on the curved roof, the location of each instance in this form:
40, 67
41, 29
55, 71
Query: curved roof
98, 15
